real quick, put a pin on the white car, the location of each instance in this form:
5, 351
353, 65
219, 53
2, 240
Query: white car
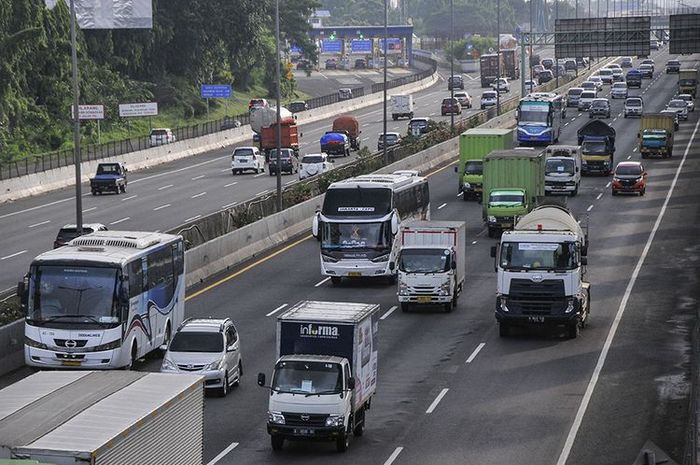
634, 106
501, 85
464, 99
207, 347
680, 107
488, 99
314, 164
530, 85
618, 90
598, 82
688, 100
161, 136
247, 159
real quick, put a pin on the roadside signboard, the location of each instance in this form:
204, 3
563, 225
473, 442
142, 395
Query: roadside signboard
331, 46
216, 91
394, 45
684, 34
127, 110
602, 37
361, 46
89, 112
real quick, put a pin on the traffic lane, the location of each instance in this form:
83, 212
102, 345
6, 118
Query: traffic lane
651, 354
326, 82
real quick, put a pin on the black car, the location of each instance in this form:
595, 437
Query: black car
289, 163
673, 66
70, 232
455, 82
297, 106
545, 76
230, 123
599, 107
547, 63
331, 63
360, 63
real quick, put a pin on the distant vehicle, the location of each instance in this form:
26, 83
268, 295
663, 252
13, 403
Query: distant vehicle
688, 100
589, 85
402, 106
570, 65
344, 93
688, 81
418, 126
455, 82
618, 75
535, 60
606, 75
488, 99
599, 107
297, 106
530, 85
540, 118
208, 347
626, 62
648, 61
450, 106
547, 63
585, 99
335, 143
161, 136
545, 76
618, 90
634, 78
559, 70
634, 106
247, 159
501, 85
304, 64
464, 99
598, 81
289, 163
653, 45
350, 126
646, 70
629, 178
331, 63
70, 231
537, 69
656, 135
582, 62
573, 95
360, 63
258, 102
109, 177
391, 139
314, 164
673, 113
230, 123
673, 66
679, 106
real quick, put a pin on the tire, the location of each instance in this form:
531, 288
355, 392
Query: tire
492, 232
641, 193
575, 192
233, 172
342, 442
277, 442
166, 339
94, 192
405, 307
123, 188
359, 429
335, 280
644, 155
614, 192
503, 330
132, 357
223, 390
573, 330
118, 190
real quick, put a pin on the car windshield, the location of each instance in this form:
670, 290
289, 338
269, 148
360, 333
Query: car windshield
633, 102
68, 234
686, 97
420, 124
648, 67
619, 85
425, 260
107, 169
628, 170
575, 92
605, 72
674, 63
475, 167
306, 377
159, 132
544, 256
310, 159
677, 104
284, 155
449, 101
341, 236
506, 199
559, 166
193, 341
595, 78
488, 95
599, 104
73, 294
389, 138
588, 85
587, 95
243, 153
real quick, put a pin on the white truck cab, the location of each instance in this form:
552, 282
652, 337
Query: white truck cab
562, 171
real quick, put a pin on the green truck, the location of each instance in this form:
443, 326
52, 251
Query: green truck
474, 145
513, 186
656, 135
688, 81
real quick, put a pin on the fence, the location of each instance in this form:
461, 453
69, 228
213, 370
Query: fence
50, 160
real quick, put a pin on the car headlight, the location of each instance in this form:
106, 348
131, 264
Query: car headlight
335, 420
466, 185
36, 344
444, 289
215, 365
492, 219
276, 418
584, 162
616, 179
503, 303
168, 365
403, 289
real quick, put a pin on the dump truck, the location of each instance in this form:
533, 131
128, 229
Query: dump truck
541, 268
97, 417
431, 263
351, 127
326, 372
488, 65
513, 186
474, 145
289, 133
263, 117
656, 135
597, 141
688, 81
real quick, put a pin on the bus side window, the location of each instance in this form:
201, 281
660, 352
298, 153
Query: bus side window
135, 271
179, 259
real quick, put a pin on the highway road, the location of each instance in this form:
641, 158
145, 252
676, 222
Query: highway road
450, 390
174, 193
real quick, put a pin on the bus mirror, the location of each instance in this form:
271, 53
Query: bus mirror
584, 261
314, 226
22, 294
493, 251
392, 266
394, 224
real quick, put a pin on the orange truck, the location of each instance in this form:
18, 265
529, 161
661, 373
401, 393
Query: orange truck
289, 136
349, 126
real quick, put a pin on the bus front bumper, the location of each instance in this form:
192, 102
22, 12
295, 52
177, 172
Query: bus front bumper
355, 269
49, 358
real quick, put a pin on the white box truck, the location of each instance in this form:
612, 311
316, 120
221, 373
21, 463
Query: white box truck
401, 106
562, 169
431, 263
103, 418
325, 377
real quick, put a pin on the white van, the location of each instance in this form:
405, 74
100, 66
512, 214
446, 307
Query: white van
314, 164
161, 136
247, 158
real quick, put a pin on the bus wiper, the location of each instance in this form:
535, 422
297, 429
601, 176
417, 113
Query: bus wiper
321, 393
88, 317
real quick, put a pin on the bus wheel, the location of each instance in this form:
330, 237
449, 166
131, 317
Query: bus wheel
335, 280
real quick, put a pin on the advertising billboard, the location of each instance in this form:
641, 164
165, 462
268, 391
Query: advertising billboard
684, 34
602, 37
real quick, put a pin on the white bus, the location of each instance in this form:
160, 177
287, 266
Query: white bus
360, 218
104, 300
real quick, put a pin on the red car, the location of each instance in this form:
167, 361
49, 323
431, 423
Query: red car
450, 106
629, 178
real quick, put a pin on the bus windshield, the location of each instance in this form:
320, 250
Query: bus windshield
357, 202
342, 236
534, 113
538, 256
73, 294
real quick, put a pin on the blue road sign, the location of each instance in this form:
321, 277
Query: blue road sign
331, 46
216, 91
361, 46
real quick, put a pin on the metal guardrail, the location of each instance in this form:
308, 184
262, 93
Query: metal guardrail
90, 152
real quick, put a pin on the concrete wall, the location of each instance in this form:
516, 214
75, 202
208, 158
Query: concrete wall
11, 346
33, 184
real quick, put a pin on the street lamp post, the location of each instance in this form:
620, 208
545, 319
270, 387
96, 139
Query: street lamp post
498, 57
278, 171
452, 65
386, 36
76, 123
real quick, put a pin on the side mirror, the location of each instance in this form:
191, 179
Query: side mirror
392, 266
584, 261
315, 225
394, 224
301, 134
261, 379
453, 265
456, 169
351, 384
637, 135
493, 251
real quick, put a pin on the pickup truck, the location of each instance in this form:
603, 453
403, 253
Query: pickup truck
110, 177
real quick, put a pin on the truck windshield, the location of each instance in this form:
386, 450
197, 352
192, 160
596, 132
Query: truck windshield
538, 256
107, 169
73, 295
687, 82
594, 148
474, 168
506, 199
307, 377
559, 166
425, 260
342, 236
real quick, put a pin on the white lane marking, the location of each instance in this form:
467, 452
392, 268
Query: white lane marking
566, 124
261, 193
590, 207
130, 197
614, 119
198, 195
320, 283
473, 242
476, 352
388, 312
121, 221
432, 114
568, 445
437, 400
634, 149
192, 218
89, 209
198, 177
13, 255
289, 182
599, 196
161, 207
165, 187
258, 175
225, 170
228, 205
460, 194
393, 456
608, 184
276, 310
223, 453
231, 184
39, 224
442, 206
629, 156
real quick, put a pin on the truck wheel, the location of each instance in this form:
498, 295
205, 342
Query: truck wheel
277, 442
503, 330
94, 192
335, 280
123, 188
394, 117
233, 172
492, 232
359, 427
573, 330
342, 442
405, 307
644, 155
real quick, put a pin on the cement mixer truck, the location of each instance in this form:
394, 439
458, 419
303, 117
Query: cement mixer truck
541, 267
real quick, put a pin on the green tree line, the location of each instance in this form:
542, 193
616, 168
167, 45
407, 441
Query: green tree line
191, 42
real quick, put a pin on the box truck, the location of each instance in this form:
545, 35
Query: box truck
656, 134
401, 106
474, 145
326, 374
597, 141
431, 263
562, 169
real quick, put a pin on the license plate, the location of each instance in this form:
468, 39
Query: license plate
304, 432
423, 299
70, 363
478, 189
535, 319
354, 274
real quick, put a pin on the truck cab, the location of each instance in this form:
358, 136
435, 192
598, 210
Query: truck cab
109, 177
597, 141
562, 169
503, 208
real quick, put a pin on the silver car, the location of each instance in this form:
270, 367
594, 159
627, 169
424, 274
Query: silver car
618, 90
680, 107
688, 100
208, 347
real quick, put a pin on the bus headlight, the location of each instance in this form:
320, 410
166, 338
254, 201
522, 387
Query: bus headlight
36, 344
108, 346
492, 219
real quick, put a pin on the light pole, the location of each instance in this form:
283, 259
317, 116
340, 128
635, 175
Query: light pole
386, 38
556, 61
76, 123
452, 66
498, 57
278, 129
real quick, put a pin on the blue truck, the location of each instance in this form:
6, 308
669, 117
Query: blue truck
335, 143
110, 177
